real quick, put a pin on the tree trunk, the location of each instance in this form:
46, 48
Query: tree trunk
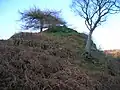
41, 29
41, 26
89, 43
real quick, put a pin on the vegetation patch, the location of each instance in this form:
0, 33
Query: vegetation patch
52, 60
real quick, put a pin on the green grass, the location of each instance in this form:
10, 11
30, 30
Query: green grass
61, 31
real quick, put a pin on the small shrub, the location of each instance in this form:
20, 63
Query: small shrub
114, 67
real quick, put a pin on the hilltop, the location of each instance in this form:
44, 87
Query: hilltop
52, 60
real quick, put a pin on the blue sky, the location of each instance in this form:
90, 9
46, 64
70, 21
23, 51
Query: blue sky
106, 36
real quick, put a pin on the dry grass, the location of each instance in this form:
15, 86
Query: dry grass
42, 61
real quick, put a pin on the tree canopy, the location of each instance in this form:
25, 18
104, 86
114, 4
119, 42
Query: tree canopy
34, 18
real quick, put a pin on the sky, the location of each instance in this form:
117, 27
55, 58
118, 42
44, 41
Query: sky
105, 36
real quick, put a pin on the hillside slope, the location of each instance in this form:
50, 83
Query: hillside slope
52, 60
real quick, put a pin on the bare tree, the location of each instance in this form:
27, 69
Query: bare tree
94, 12
35, 18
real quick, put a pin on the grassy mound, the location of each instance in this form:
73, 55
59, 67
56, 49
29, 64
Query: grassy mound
52, 60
